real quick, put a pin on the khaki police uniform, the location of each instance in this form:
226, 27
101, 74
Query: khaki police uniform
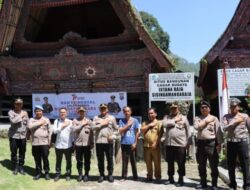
177, 136
83, 143
17, 135
103, 144
40, 139
209, 136
237, 143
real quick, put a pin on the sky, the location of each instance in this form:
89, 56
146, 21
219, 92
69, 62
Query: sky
194, 26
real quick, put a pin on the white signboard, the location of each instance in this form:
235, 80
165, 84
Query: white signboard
171, 86
91, 101
238, 81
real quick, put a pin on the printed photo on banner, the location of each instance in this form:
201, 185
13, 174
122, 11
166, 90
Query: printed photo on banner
51, 103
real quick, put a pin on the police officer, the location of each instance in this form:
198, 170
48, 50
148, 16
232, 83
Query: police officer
83, 143
209, 140
41, 137
177, 136
237, 126
104, 126
17, 135
113, 106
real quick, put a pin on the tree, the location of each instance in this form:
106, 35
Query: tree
155, 30
162, 40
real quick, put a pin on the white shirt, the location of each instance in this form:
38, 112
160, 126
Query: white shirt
64, 136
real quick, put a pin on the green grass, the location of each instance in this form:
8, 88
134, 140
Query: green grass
10, 182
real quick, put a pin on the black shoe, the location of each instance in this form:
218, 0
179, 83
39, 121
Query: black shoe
148, 179
79, 178
101, 178
110, 179
135, 178
15, 171
47, 177
37, 176
180, 182
157, 181
85, 178
57, 177
232, 186
170, 180
21, 170
68, 178
201, 186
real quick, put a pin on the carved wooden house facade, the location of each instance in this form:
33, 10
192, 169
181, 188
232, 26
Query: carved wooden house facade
50, 46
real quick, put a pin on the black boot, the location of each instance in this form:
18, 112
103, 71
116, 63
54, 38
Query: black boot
180, 182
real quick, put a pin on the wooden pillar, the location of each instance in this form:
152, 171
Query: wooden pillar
144, 105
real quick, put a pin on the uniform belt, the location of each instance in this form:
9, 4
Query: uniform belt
237, 140
206, 140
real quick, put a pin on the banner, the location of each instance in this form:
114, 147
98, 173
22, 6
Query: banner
171, 86
91, 101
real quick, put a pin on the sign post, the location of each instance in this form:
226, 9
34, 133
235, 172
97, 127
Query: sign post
237, 80
171, 87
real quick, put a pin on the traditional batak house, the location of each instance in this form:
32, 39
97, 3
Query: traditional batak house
232, 47
56, 46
